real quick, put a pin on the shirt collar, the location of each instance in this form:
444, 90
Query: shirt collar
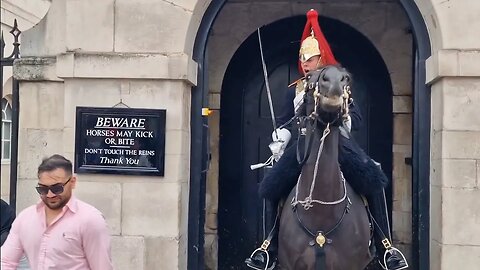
71, 205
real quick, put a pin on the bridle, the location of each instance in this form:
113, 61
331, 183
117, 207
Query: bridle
313, 85
308, 122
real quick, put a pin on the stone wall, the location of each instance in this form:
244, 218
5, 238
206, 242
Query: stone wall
453, 71
455, 155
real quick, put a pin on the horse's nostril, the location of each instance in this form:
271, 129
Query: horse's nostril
324, 78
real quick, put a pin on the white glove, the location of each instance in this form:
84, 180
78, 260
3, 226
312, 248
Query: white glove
347, 123
346, 127
280, 139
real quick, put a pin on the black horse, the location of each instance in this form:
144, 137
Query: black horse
326, 226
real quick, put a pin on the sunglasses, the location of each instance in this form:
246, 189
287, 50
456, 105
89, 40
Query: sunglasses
55, 189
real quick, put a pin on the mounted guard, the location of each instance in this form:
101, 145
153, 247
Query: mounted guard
362, 173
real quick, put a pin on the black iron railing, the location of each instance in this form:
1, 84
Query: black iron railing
8, 62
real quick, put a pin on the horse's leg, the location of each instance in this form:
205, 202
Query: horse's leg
289, 238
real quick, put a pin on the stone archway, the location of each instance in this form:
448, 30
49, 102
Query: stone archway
201, 97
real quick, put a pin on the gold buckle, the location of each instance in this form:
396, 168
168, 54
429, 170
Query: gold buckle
386, 243
320, 239
265, 245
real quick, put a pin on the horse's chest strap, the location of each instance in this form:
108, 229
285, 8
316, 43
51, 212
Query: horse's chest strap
320, 238
320, 262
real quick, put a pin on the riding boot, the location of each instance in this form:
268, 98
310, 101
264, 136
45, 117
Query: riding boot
265, 257
389, 257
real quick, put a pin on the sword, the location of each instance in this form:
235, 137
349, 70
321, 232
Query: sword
271, 159
267, 85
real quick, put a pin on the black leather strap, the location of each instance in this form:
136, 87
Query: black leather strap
306, 139
320, 263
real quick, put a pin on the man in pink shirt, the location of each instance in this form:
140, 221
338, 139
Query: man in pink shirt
60, 232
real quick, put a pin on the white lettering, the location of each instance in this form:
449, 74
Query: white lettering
131, 161
122, 141
118, 152
146, 152
144, 134
99, 133
91, 151
116, 121
131, 152
110, 141
99, 122
120, 122
106, 160
124, 133
141, 122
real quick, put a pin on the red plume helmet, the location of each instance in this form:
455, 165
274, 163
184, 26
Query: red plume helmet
312, 30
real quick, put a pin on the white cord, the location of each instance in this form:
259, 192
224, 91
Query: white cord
308, 202
261, 165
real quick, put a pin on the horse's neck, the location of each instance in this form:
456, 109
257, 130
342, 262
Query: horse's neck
328, 186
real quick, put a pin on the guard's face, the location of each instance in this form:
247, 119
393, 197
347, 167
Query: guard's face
55, 188
312, 63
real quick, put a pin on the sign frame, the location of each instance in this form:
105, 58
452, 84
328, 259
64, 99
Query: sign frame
81, 139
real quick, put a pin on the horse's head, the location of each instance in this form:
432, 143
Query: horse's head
327, 93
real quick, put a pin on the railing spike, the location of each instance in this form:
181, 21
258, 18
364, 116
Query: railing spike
16, 44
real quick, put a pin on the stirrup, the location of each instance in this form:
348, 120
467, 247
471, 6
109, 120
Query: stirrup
263, 248
389, 249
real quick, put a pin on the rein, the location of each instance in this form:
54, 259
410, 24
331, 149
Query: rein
307, 130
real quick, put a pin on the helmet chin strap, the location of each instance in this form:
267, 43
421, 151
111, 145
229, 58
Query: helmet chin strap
319, 65
319, 62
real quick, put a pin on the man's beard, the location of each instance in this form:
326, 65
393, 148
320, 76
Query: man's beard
58, 204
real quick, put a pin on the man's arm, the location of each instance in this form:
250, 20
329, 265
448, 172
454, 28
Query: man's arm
96, 243
287, 109
12, 249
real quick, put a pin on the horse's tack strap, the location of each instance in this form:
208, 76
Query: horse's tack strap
306, 130
320, 262
320, 249
306, 230
271, 234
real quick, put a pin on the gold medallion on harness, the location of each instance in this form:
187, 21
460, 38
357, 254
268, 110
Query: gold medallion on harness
320, 239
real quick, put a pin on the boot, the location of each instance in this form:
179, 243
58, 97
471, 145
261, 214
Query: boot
265, 257
390, 258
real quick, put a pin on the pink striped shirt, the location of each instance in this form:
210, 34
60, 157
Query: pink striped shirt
78, 239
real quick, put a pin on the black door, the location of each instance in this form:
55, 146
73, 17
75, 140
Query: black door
246, 126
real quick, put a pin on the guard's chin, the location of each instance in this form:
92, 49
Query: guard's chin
331, 104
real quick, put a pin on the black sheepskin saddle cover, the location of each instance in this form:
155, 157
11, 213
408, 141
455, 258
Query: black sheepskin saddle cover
282, 177
358, 168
